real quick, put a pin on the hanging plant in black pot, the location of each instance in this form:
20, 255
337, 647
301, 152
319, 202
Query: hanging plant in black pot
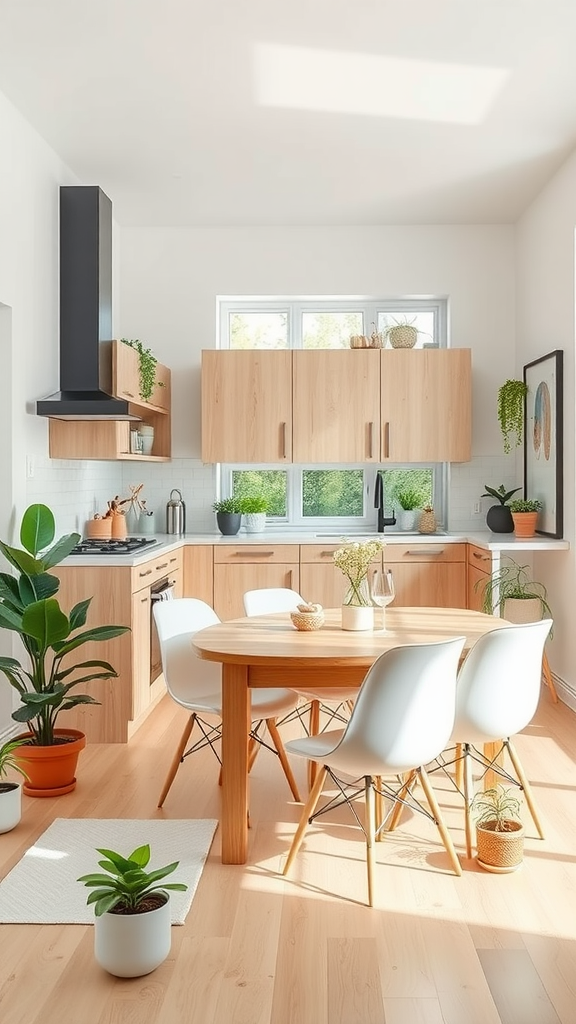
499, 517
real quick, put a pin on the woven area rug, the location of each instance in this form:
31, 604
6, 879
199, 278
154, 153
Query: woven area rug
42, 887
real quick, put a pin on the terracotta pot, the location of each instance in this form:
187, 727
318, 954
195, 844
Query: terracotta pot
51, 770
525, 523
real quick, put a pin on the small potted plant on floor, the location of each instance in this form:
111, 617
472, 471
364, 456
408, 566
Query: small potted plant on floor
512, 593
10, 790
228, 515
254, 510
525, 515
132, 933
499, 518
499, 829
28, 607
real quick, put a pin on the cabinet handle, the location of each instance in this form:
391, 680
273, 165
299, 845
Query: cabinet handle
482, 558
253, 554
144, 600
387, 440
147, 573
326, 554
370, 440
163, 566
290, 580
283, 435
174, 559
427, 551
128, 393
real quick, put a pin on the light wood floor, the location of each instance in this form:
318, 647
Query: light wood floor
258, 949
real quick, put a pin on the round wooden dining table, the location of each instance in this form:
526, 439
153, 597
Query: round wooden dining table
267, 650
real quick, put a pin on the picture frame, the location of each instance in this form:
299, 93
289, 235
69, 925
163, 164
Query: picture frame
543, 440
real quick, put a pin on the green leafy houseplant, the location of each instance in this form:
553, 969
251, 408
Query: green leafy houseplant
253, 506
147, 363
410, 498
499, 829
511, 396
512, 582
496, 809
124, 887
229, 506
9, 761
499, 493
28, 607
525, 505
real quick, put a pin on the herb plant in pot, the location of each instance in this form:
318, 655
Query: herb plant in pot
254, 511
499, 518
525, 516
10, 790
132, 927
29, 607
499, 830
411, 500
228, 515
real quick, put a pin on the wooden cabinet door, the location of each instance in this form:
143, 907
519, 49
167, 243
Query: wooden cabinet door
320, 580
336, 412
140, 651
479, 570
231, 582
426, 405
429, 585
199, 572
246, 406
125, 372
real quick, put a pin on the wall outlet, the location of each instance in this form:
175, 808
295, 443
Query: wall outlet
477, 508
30, 467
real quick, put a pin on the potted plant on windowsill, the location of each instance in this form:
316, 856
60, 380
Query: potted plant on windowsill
499, 518
10, 790
254, 510
28, 607
499, 829
228, 515
410, 500
513, 594
525, 516
132, 927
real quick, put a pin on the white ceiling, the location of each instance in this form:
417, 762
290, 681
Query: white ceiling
301, 112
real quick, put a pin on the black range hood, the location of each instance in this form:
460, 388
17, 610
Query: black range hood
85, 310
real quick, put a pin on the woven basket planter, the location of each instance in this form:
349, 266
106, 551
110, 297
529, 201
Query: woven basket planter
500, 852
307, 620
403, 336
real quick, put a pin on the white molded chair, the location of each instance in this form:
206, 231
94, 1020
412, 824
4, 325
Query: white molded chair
197, 685
497, 696
281, 599
402, 718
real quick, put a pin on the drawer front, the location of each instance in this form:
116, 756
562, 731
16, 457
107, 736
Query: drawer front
479, 557
434, 551
149, 572
257, 553
318, 552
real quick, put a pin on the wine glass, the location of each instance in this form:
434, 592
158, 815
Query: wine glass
382, 590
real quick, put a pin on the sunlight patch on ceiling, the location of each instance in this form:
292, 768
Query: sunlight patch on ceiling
293, 77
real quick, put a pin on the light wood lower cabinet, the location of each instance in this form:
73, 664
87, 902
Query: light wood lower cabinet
250, 567
431, 575
199, 572
479, 567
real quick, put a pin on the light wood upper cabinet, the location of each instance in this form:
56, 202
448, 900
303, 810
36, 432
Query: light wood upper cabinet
246, 406
336, 413
125, 372
426, 398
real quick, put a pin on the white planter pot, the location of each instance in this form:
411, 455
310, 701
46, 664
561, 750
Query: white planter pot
357, 616
407, 518
130, 945
10, 806
255, 522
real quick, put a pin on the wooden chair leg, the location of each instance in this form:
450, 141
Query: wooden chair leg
525, 786
370, 836
253, 748
435, 809
272, 729
398, 807
177, 759
468, 795
308, 811
458, 767
548, 677
314, 730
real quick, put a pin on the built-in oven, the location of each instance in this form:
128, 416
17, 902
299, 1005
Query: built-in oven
161, 590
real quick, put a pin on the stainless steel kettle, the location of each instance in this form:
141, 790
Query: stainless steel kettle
176, 513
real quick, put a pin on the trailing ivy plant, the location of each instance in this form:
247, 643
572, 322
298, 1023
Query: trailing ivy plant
511, 411
147, 363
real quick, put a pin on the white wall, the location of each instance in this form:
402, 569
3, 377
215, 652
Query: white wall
546, 321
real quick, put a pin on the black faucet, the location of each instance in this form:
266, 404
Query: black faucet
379, 504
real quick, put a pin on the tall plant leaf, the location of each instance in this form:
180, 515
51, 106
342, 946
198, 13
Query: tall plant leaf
37, 528
45, 622
61, 550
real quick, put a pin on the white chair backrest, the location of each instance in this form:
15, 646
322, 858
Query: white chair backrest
404, 712
187, 676
271, 599
499, 683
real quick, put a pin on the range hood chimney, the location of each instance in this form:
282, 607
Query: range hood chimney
85, 310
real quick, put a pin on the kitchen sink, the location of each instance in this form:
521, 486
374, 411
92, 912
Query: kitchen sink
367, 535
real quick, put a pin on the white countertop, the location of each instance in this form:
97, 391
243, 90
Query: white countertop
494, 542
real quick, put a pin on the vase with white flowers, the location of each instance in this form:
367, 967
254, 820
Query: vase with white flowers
354, 560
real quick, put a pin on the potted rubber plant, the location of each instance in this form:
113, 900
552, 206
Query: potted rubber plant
29, 607
228, 515
525, 516
499, 518
10, 790
499, 829
132, 926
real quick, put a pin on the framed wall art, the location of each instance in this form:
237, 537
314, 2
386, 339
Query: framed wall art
543, 437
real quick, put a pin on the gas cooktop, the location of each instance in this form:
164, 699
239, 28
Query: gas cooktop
94, 546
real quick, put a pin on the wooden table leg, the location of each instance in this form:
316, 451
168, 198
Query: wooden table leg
235, 729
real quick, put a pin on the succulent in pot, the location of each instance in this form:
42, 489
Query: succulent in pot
132, 933
29, 607
499, 518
